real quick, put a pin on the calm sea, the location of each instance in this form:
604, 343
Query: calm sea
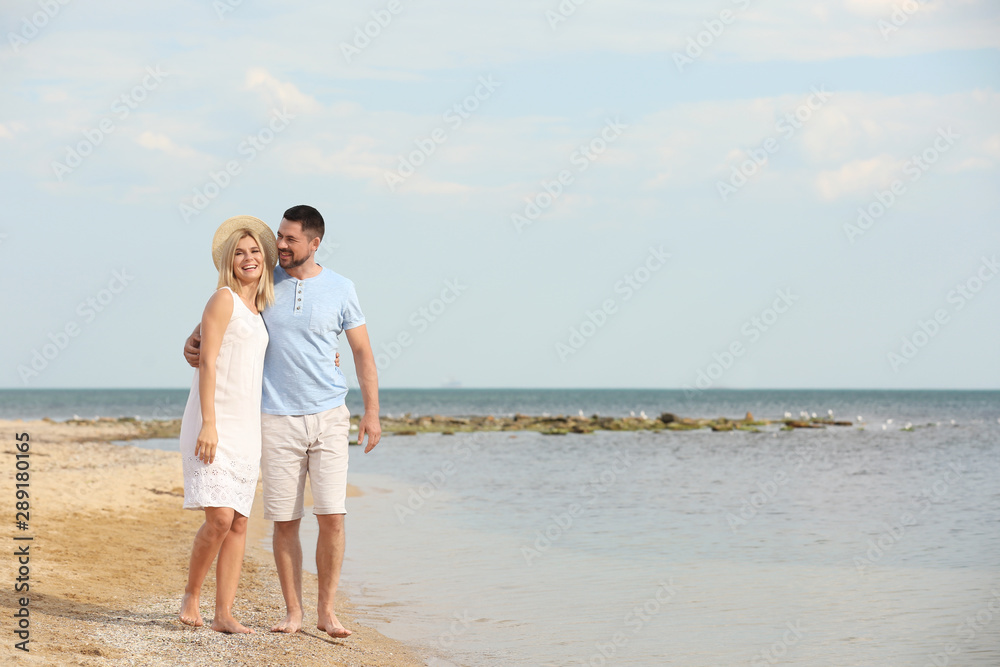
62, 404
843, 546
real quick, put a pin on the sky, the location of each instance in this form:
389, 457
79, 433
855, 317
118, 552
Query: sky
730, 194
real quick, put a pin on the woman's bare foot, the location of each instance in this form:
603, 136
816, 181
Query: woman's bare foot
331, 626
229, 625
190, 614
291, 623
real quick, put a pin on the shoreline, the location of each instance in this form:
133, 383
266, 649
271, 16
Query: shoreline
108, 564
135, 428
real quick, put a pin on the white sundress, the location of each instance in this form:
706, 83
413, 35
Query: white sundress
230, 480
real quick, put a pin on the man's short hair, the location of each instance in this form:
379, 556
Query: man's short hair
309, 218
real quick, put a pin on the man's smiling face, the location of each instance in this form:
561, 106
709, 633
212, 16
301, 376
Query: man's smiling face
295, 247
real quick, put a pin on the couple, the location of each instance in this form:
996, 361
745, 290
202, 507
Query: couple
272, 398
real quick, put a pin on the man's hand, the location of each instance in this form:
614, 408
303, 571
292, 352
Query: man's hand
192, 348
369, 424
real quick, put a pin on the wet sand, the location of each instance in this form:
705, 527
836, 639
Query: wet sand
108, 564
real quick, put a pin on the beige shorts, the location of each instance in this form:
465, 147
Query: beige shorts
294, 446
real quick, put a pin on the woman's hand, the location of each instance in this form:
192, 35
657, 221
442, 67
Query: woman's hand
208, 441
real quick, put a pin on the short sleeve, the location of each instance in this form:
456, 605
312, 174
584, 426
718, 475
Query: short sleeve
351, 315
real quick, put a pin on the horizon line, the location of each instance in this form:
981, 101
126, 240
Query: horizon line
476, 388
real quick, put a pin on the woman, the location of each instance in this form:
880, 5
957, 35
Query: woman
220, 431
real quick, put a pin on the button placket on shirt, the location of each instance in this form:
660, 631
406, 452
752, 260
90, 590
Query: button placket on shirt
298, 297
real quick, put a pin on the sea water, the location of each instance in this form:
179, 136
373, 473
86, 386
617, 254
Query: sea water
846, 545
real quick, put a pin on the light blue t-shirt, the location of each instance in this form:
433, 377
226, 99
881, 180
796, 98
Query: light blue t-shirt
303, 323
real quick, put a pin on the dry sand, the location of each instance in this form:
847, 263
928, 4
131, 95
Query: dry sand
109, 563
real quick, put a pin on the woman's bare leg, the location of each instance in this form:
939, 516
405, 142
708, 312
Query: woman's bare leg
227, 577
207, 542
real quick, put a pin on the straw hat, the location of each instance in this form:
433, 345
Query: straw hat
238, 222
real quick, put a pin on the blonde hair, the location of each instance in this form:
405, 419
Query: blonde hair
227, 278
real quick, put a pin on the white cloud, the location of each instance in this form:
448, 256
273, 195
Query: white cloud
879, 8
857, 176
280, 94
358, 159
992, 146
161, 142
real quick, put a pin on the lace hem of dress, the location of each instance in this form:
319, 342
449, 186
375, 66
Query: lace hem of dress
225, 482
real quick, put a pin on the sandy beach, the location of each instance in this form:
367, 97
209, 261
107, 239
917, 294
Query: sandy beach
108, 563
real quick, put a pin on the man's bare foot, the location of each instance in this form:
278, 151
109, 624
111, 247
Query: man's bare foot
290, 623
190, 614
229, 625
331, 626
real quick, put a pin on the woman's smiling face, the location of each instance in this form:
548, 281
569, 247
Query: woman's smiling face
248, 262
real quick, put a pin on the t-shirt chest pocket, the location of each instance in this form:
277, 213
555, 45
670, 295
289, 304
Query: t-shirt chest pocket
324, 319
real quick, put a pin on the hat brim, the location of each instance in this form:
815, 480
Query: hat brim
237, 223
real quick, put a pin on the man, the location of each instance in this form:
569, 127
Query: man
304, 421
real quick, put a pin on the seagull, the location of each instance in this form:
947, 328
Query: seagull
884, 427
642, 414
788, 415
860, 419
829, 413
804, 414
952, 422
888, 421
631, 413
580, 412
908, 425
814, 415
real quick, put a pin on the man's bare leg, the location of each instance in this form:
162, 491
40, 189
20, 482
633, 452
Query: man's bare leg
329, 558
288, 560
